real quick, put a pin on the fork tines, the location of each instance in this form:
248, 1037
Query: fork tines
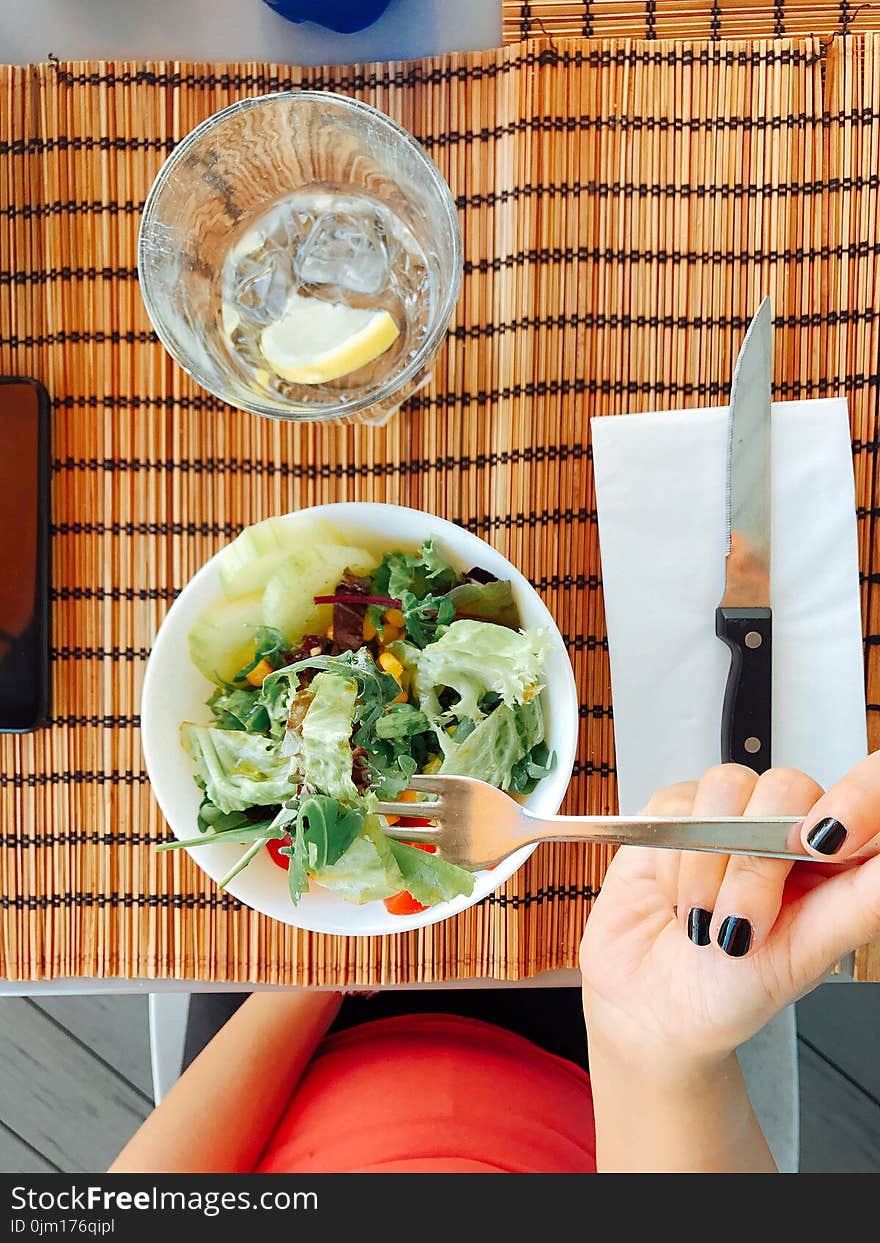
429, 809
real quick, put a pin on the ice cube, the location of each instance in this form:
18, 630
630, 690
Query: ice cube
345, 251
260, 284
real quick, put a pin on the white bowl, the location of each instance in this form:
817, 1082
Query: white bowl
175, 691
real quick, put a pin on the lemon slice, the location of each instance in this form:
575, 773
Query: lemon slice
315, 341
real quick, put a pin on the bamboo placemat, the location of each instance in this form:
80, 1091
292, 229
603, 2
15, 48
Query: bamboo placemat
623, 206
686, 19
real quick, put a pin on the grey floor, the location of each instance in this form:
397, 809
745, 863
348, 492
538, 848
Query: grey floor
75, 1079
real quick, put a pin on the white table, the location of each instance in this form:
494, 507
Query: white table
239, 30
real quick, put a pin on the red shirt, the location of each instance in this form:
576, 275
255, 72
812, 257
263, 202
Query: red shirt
435, 1093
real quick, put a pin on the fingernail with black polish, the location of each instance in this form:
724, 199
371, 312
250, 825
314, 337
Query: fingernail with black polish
827, 836
735, 936
698, 925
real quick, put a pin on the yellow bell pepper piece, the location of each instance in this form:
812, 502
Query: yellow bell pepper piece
406, 796
259, 673
389, 662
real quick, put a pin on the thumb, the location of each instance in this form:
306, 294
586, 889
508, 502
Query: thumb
833, 919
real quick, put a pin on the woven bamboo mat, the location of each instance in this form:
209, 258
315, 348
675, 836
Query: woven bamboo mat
686, 19
623, 207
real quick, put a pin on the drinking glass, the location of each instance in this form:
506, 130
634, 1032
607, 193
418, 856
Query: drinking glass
299, 193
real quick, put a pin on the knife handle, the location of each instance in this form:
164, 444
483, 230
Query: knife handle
746, 716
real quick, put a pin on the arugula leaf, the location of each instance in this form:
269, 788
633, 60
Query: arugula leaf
249, 855
239, 708
421, 574
401, 721
391, 767
397, 744
429, 878
251, 709
269, 645
297, 871
425, 618
528, 771
238, 837
330, 828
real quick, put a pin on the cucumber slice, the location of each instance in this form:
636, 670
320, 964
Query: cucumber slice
288, 601
222, 640
251, 559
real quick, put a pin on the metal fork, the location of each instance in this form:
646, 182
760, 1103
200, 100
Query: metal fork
477, 826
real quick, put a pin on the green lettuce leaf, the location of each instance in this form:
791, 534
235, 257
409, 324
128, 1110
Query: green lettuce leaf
367, 871
487, 602
425, 573
326, 732
475, 658
239, 770
492, 751
429, 878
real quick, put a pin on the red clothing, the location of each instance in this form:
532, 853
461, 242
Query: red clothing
435, 1093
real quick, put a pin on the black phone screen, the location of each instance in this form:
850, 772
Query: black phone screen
23, 554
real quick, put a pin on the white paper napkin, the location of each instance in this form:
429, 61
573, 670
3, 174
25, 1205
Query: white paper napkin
660, 485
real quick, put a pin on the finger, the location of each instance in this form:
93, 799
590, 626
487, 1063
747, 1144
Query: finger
674, 800
848, 816
834, 918
750, 896
666, 873
722, 791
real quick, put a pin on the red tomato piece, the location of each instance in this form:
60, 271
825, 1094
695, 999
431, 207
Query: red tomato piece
416, 822
273, 846
428, 847
403, 903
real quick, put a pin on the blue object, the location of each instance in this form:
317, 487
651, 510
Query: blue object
344, 16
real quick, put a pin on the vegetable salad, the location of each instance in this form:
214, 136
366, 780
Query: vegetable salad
340, 674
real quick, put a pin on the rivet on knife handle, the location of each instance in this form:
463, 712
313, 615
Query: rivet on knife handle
747, 713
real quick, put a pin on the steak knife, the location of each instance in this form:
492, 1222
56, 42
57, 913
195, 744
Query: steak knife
743, 619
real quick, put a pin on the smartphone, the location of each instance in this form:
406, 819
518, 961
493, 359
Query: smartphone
24, 554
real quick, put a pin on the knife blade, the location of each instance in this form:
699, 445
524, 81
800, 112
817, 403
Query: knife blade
743, 619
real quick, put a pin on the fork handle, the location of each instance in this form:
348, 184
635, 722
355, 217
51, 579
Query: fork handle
773, 837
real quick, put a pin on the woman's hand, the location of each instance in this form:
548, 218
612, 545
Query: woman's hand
686, 955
